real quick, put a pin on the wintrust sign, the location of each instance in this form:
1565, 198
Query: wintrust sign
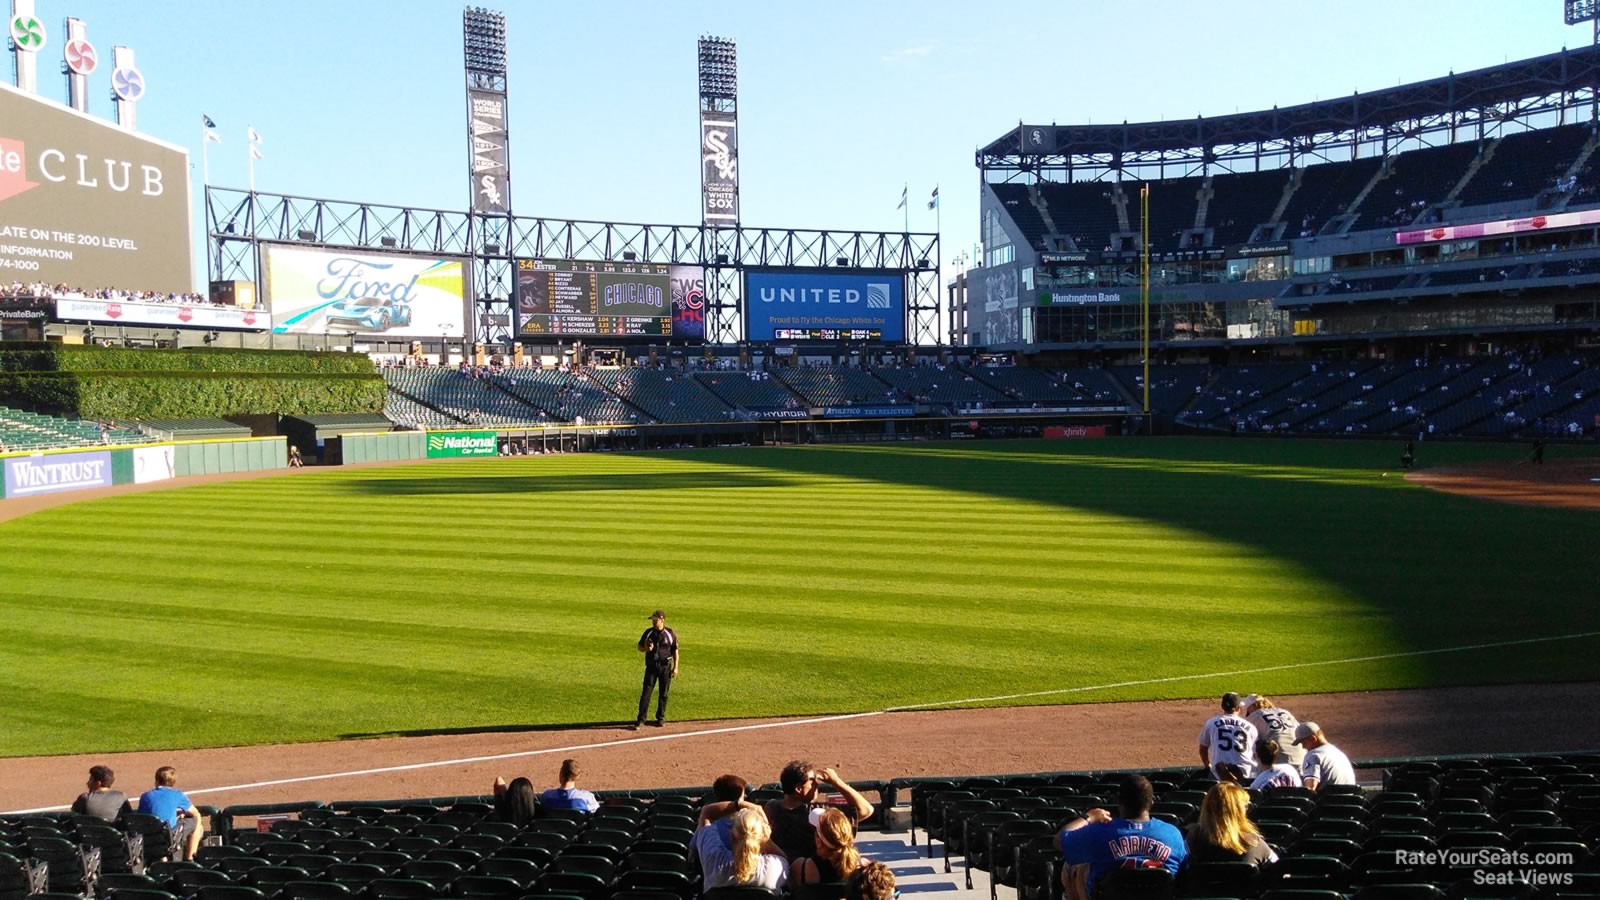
50, 473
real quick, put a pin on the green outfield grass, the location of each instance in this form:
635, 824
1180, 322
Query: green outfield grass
498, 594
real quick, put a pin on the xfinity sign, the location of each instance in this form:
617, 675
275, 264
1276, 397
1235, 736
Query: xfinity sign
790, 299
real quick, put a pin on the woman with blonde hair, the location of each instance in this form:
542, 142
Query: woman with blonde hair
1225, 832
744, 863
837, 857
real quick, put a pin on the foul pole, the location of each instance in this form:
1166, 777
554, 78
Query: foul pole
1144, 295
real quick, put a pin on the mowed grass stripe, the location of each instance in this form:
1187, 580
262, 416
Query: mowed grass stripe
505, 592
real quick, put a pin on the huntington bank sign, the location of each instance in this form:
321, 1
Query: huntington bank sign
26, 476
443, 444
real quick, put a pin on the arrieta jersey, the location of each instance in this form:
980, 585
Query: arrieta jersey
1232, 740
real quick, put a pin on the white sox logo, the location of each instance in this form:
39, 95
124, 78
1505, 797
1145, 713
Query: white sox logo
718, 154
490, 191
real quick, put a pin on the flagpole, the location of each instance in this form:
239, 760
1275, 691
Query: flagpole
205, 155
905, 204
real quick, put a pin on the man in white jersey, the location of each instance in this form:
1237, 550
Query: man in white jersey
1274, 723
1324, 764
1227, 743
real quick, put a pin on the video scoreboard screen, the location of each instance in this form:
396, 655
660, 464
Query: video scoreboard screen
577, 297
827, 334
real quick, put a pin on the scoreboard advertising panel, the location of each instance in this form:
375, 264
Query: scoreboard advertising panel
86, 203
609, 299
825, 305
320, 290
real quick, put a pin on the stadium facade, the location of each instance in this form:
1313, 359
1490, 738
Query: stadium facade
1440, 212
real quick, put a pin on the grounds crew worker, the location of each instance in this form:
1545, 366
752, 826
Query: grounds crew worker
659, 644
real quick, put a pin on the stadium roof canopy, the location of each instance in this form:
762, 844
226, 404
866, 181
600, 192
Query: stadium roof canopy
1481, 100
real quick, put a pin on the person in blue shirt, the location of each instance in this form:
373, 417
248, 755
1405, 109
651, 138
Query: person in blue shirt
172, 806
567, 796
1096, 842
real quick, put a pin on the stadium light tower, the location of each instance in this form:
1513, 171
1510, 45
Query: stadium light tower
1580, 11
483, 41
719, 180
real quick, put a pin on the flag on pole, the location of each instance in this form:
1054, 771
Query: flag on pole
212, 135
903, 190
206, 120
933, 202
255, 152
255, 136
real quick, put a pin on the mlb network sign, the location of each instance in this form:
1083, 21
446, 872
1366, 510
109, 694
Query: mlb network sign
809, 299
462, 443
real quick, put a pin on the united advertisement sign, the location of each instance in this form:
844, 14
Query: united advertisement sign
443, 444
798, 300
318, 290
85, 203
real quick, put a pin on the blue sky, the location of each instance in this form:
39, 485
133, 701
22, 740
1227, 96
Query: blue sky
840, 102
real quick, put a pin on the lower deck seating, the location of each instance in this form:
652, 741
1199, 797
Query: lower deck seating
473, 400
948, 385
1336, 843
837, 385
21, 430
666, 396
753, 390
569, 396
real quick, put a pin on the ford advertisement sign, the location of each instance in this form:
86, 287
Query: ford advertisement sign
317, 290
784, 302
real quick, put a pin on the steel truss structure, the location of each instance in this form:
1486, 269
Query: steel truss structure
238, 222
1561, 87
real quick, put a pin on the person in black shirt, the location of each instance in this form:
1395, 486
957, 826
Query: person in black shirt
794, 826
659, 644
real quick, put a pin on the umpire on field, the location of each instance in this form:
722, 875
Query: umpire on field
659, 644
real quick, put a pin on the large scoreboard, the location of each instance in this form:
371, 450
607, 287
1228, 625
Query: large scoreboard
577, 297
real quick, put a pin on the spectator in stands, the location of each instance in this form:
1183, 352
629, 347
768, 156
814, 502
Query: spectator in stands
1225, 832
1273, 723
172, 806
1273, 773
100, 800
514, 802
873, 881
727, 798
567, 796
1324, 764
1226, 739
1096, 842
744, 864
793, 826
837, 857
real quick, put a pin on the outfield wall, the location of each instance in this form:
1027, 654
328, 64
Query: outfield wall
77, 469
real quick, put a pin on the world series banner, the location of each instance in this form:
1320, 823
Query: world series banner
719, 167
689, 303
491, 155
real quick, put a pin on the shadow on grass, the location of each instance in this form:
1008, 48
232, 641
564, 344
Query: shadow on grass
535, 484
1437, 570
